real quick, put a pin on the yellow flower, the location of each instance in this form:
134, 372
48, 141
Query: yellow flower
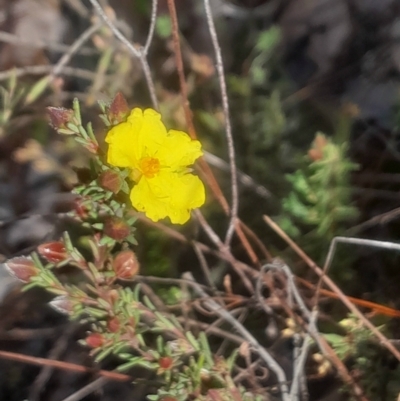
159, 163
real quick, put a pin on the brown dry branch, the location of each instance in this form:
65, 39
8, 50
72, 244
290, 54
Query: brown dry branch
68, 366
345, 300
326, 349
312, 330
264, 354
44, 375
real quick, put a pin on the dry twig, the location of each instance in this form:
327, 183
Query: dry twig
138, 52
385, 342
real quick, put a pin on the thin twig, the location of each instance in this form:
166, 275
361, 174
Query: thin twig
224, 250
357, 241
243, 178
136, 51
228, 129
204, 266
7, 37
212, 330
251, 234
385, 342
78, 7
209, 231
312, 329
376, 308
153, 20
82, 39
163, 280
180, 70
62, 365
45, 69
312, 318
300, 361
27, 334
259, 287
243, 314
264, 354
352, 241
279, 265
88, 389
46, 372
379, 219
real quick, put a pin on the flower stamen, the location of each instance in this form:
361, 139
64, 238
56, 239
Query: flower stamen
149, 166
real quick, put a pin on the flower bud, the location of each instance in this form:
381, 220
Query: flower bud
116, 228
80, 209
113, 324
126, 265
22, 268
95, 340
54, 252
62, 304
165, 362
113, 296
92, 147
111, 181
59, 117
317, 150
118, 110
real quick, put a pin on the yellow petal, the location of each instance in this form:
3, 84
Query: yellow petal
144, 200
120, 152
148, 130
179, 150
140, 136
168, 195
186, 191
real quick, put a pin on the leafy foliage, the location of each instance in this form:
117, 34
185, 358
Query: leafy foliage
123, 321
319, 203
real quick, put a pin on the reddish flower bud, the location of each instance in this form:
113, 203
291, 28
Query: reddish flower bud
22, 268
95, 340
54, 252
80, 209
165, 362
59, 117
126, 265
113, 324
118, 110
169, 398
317, 150
116, 228
111, 181
62, 304
113, 296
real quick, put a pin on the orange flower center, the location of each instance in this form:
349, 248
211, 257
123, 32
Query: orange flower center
149, 166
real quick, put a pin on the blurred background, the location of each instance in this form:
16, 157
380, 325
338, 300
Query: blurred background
314, 99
